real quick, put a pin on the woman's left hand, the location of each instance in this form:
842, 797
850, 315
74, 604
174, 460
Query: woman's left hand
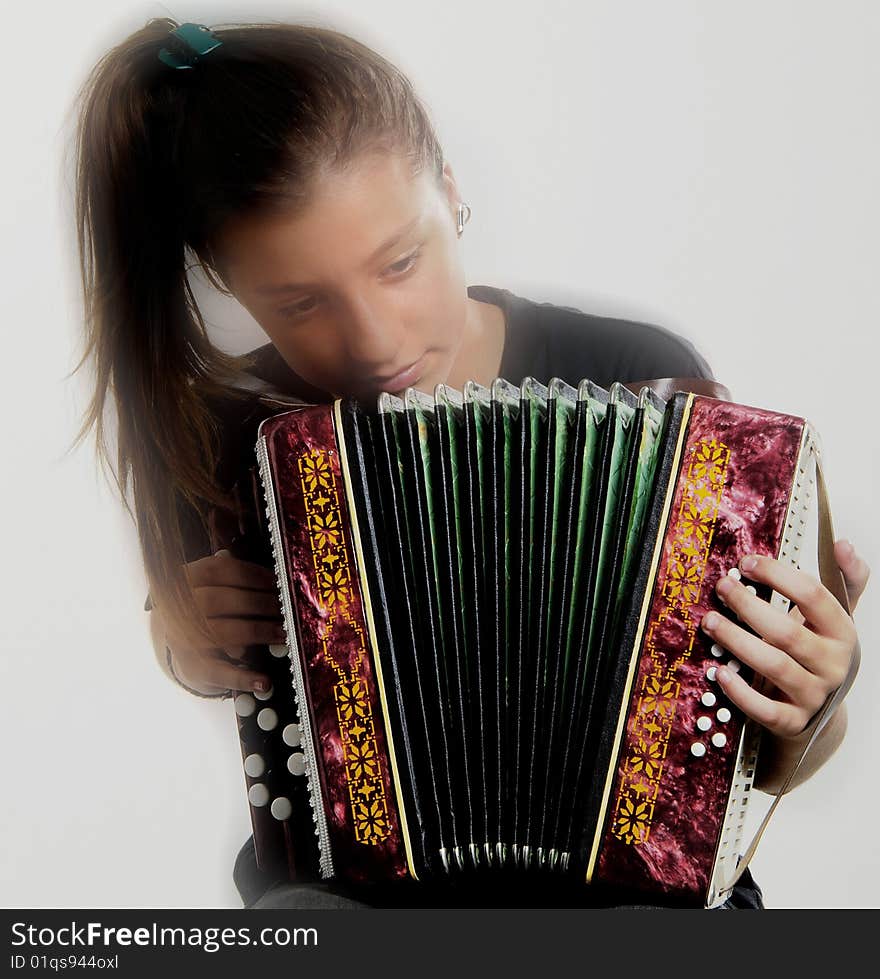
804, 655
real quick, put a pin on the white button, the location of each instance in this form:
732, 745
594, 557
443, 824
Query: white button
719, 739
704, 723
292, 735
698, 749
734, 573
281, 808
711, 673
716, 650
254, 765
279, 650
708, 699
723, 715
752, 589
258, 795
245, 705
296, 763
260, 695
267, 719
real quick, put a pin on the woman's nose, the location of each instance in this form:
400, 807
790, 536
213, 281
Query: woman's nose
372, 338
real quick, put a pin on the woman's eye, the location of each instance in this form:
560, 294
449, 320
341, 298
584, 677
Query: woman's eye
302, 308
308, 305
404, 265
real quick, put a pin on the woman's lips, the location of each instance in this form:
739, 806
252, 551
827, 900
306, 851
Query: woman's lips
408, 377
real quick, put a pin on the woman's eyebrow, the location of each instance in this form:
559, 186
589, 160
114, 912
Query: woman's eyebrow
389, 242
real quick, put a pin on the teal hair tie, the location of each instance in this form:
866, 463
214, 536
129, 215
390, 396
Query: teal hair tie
196, 41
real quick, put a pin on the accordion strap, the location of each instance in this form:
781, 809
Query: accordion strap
832, 578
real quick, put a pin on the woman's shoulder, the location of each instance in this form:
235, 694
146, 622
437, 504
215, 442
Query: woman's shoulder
557, 339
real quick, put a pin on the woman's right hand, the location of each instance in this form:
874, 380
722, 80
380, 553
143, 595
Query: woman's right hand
239, 600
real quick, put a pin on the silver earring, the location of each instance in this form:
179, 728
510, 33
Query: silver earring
464, 215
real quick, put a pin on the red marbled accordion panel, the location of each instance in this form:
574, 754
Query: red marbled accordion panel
345, 711
667, 806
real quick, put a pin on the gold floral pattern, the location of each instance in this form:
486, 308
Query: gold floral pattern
371, 820
648, 758
683, 582
694, 522
659, 696
709, 463
362, 761
316, 472
351, 700
366, 787
633, 821
326, 530
334, 586
651, 726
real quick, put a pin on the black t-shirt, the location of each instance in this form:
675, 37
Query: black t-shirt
543, 341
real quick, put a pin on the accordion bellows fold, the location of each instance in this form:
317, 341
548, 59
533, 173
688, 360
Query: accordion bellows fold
494, 664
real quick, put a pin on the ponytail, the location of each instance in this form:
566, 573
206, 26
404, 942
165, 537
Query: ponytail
144, 334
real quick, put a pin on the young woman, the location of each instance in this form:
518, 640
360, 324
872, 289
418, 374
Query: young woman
301, 172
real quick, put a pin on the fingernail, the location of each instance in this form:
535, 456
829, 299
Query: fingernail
847, 548
260, 685
709, 620
748, 563
222, 553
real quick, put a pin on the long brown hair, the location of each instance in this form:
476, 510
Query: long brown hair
164, 158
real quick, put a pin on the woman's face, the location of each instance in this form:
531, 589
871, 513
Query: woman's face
362, 290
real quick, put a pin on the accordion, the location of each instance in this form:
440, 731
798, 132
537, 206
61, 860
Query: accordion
494, 665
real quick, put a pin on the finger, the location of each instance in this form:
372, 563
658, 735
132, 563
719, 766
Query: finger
777, 627
855, 571
249, 655
235, 652
246, 632
209, 671
231, 676
219, 601
230, 634
820, 608
222, 569
783, 720
796, 614
786, 674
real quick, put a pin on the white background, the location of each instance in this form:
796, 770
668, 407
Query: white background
710, 167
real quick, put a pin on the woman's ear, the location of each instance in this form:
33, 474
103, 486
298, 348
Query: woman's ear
450, 189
